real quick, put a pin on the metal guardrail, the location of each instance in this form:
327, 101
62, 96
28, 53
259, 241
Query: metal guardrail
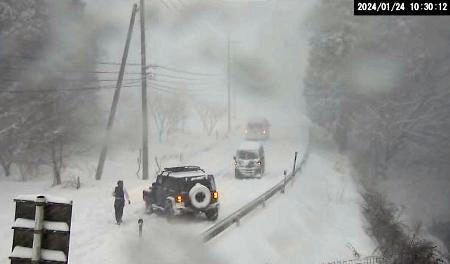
235, 217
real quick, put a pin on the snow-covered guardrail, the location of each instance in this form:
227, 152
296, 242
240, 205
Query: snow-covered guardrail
235, 217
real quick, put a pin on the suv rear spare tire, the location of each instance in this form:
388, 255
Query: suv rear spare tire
200, 196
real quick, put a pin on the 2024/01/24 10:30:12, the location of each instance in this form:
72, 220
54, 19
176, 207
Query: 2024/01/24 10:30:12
401, 7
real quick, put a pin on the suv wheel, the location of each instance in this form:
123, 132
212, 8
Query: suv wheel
168, 208
212, 214
148, 208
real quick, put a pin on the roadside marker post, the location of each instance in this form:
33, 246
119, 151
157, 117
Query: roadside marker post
140, 223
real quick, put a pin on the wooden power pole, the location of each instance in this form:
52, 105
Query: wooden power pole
144, 96
112, 113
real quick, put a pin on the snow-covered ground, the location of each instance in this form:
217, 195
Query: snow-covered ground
96, 239
313, 222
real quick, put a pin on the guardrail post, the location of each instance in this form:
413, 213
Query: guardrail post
140, 223
295, 162
284, 183
78, 184
38, 229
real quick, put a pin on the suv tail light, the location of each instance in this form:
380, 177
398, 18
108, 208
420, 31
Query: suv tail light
215, 196
179, 199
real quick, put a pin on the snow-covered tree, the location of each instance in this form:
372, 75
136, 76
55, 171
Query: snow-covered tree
45, 59
210, 115
169, 113
380, 86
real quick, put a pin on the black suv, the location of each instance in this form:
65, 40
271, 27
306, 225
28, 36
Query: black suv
187, 189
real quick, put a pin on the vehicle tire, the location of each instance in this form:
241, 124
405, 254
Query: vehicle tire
237, 175
168, 208
148, 208
200, 196
212, 214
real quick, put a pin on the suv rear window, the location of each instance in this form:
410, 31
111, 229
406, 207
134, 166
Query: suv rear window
186, 183
173, 183
205, 182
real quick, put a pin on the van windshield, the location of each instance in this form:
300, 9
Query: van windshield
247, 155
255, 126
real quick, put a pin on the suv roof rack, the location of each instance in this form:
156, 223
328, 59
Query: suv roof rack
183, 168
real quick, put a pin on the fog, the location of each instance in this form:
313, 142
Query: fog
268, 49
373, 91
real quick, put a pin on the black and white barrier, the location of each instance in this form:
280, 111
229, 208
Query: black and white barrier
41, 230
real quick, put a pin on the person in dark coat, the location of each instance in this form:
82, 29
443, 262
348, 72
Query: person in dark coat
121, 195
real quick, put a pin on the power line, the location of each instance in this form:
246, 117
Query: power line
116, 63
25, 57
168, 89
70, 72
160, 87
183, 83
174, 88
167, 68
81, 80
56, 90
180, 77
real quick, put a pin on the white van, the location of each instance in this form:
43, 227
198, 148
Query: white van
249, 160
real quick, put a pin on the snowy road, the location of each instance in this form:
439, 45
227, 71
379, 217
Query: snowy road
96, 239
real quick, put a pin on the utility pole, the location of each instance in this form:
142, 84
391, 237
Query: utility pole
144, 96
112, 113
232, 91
229, 82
